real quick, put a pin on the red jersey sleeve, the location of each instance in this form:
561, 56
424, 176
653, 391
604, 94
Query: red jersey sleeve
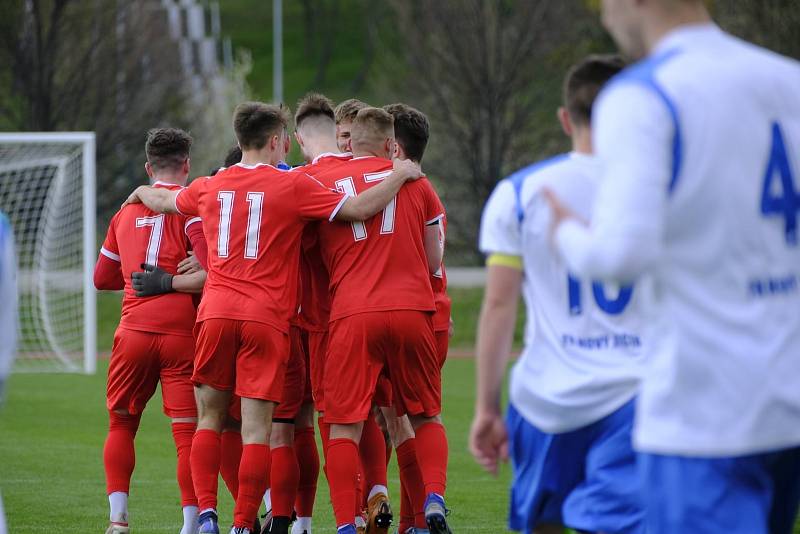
314, 200
108, 270
434, 209
194, 231
187, 200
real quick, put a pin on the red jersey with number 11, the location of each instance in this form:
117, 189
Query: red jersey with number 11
379, 264
253, 217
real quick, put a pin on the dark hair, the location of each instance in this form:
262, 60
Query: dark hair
313, 105
233, 156
347, 110
255, 122
167, 148
584, 81
411, 129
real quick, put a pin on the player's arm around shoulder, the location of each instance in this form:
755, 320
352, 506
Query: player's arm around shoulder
373, 200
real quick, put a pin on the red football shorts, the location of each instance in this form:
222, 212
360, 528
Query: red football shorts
317, 351
295, 384
246, 357
442, 345
359, 347
308, 395
139, 360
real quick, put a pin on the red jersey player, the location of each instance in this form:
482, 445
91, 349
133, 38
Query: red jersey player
294, 479
411, 131
154, 339
253, 215
381, 316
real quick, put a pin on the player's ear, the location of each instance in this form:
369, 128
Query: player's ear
298, 137
148, 169
187, 166
566, 122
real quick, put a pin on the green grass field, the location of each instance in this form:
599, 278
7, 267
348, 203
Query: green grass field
53, 426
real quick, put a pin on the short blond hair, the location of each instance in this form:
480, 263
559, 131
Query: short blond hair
346, 111
371, 127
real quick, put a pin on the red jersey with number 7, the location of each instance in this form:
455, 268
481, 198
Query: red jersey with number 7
253, 216
137, 235
379, 264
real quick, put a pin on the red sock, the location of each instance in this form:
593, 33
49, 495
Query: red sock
372, 450
119, 455
431, 439
183, 433
253, 483
305, 447
204, 459
406, 510
284, 480
411, 486
231, 456
388, 452
343, 476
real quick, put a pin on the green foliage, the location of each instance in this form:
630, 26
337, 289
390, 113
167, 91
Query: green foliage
465, 313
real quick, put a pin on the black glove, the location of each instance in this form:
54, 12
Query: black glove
153, 281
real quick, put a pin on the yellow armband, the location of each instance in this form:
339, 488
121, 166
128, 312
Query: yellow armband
505, 260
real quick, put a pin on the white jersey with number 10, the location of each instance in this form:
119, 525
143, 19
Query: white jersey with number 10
584, 340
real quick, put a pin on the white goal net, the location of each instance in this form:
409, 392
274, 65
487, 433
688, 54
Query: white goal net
47, 190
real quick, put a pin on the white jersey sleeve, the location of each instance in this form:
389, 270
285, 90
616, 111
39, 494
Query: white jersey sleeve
500, 224
8, 297
632, 136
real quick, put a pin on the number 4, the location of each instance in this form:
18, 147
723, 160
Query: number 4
783, 201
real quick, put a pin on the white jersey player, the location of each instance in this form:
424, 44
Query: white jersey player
700, 145
8, 314
571, 396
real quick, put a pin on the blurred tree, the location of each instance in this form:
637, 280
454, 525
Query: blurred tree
488, 72
774, 24
113, 67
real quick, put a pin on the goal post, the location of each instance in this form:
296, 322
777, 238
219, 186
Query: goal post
47, 190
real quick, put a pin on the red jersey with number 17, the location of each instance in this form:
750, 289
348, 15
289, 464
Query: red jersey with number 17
379, 264
253, 216
137, 235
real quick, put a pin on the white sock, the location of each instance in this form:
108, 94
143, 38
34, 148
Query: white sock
378, 489
302, 524
268, 500
190, 525
118, 502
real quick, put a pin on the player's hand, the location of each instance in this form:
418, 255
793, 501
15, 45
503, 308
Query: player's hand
189, 265
153, 281
560, 211
488, 440
406, 169
451, 330
134, 197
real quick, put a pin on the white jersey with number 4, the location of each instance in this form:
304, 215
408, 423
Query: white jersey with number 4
584, 340
700, 147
